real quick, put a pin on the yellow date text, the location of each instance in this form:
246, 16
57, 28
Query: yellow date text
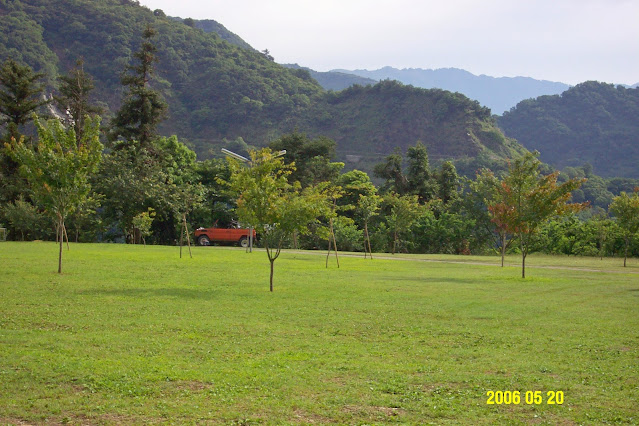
524, 397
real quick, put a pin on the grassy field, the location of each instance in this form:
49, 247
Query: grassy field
130, 334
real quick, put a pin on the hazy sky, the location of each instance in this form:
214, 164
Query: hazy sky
559, 40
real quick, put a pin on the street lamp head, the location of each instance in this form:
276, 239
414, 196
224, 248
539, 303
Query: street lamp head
234, 155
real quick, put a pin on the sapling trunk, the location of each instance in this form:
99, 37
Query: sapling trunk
368, 238
271, 258
503, 249
272, 266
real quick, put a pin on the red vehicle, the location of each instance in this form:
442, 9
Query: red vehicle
206, 236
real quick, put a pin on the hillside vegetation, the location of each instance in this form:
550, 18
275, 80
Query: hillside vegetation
368, 121
211, 26
592, 122
217, 90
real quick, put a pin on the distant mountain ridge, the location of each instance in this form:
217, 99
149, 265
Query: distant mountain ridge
335, 80
499, 94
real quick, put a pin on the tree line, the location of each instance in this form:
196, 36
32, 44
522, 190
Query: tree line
63, 171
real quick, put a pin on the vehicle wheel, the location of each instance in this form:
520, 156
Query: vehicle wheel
244, 242
203, 240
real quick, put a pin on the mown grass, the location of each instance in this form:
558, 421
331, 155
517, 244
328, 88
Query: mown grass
129, 334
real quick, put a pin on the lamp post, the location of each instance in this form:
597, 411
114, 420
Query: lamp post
245, 160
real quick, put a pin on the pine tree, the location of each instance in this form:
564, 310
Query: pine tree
143, 108
421, 181
75, 88
448, 182
21, 95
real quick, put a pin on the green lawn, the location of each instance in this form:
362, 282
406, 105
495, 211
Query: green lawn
130, 334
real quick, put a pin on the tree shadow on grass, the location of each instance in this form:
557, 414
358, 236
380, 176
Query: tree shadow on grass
433, 280
177, 293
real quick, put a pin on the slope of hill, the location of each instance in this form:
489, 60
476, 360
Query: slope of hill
328, 80
592, 122
497, 93
217, 90
211, 26
334, 80
369, 122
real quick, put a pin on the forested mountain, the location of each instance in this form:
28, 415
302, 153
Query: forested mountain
217, 90
497, 93
214, 88
592, 122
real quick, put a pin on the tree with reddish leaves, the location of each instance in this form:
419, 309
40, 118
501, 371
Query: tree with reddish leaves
526, 199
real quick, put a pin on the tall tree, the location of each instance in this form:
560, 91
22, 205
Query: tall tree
58, 168
626, 210
404, 210
421, 181
20, 96
417, 178
448, 182
529, 199
391, 171
312, 158
131, 180
75, 88
354, 184
164, 177
183, 191
143, 108
270, 204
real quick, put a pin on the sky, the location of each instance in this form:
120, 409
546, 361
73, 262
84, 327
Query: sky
569, 41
